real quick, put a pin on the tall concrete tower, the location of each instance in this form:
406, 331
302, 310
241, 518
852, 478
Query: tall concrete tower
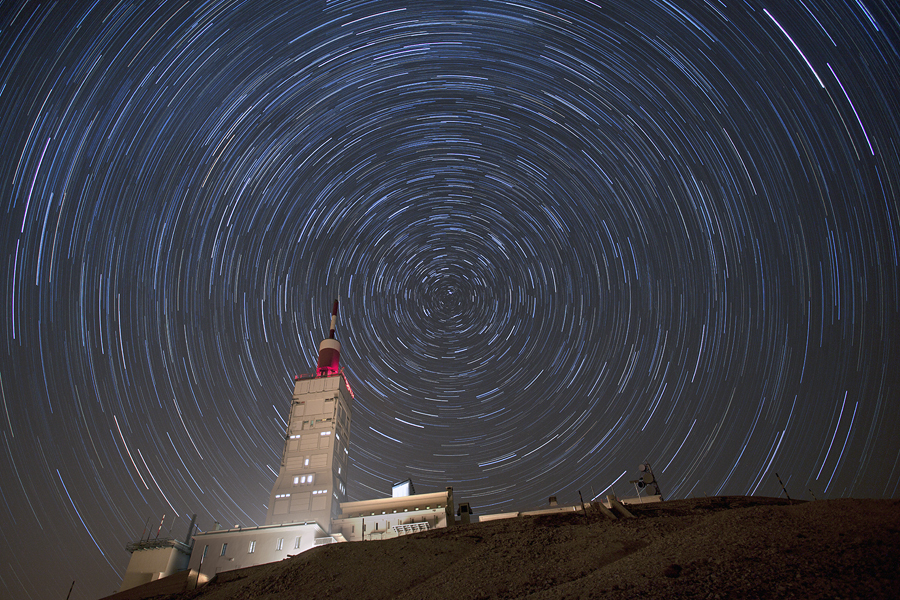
312, 480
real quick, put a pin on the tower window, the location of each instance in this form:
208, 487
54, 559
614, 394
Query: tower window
279, 543
224, 548
252, 547
296, 542
205, 548
296, 479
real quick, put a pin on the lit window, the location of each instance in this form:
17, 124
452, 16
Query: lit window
279, 544
224, 548
252, 547
296, 542
296, 479
306, 463
325, 433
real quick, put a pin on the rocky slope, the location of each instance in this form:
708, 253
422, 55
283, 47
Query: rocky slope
724, 547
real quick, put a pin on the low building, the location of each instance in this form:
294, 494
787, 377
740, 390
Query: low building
229, 549
384, 518
154, 559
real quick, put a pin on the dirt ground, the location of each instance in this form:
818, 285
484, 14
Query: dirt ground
723, 547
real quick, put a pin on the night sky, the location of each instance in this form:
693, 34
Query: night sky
568, 237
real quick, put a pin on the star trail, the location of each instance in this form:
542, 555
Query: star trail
568, 237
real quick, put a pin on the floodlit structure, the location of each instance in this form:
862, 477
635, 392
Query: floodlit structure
312, 478
157, 558
384, 518
308, 503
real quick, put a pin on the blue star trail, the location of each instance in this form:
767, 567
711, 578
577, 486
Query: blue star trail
568, 238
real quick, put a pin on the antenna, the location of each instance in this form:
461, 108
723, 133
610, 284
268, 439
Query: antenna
330, 350
647, 480
333, 319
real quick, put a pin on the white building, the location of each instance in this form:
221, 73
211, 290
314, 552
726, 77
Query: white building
308, 503
154, 559
384, 518
312, 478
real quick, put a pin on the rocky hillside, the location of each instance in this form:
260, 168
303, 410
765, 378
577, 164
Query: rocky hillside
724, 547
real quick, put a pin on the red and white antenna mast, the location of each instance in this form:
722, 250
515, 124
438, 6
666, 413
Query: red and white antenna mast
330, 350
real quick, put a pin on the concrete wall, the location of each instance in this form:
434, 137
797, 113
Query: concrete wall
152, 564
312, 477
237, 553
390, 525
384, 518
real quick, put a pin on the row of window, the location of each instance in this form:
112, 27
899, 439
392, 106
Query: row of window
311, 424
279, 545
315, 493
384, 512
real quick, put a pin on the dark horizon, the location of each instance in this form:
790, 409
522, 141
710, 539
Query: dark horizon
568, 238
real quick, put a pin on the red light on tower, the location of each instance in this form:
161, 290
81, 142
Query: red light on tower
330, 350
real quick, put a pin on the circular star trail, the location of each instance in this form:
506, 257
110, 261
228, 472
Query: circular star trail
568, 238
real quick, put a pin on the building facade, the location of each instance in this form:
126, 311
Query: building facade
312, 479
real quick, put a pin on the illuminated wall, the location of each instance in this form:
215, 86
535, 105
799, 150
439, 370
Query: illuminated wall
312, 479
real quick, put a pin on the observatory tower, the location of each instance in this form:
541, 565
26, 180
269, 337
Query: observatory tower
312, 480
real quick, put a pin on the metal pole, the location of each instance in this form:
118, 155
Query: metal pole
782, 487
